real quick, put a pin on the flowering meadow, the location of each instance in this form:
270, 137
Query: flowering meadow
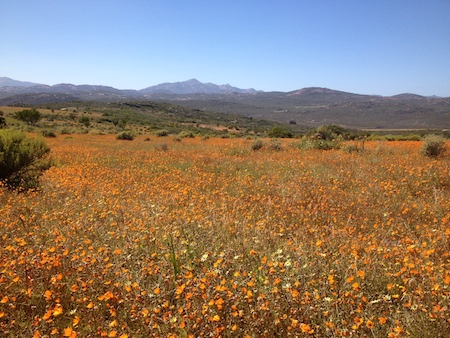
208, 238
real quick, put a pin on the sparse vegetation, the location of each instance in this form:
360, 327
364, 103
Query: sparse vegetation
279, 132
433, 146
22, 159
48, 133
162, 133
31, 116
2, 120
257, 144
125, 135
85, 120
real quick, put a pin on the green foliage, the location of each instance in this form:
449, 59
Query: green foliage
433, 146
257, 145
400, 137
319, 144
22, 160
185, 134
162, 132
85, 120
279, 132
2, 120
125, 135
31, 116
275, 145
333, 131
66, 131
48, 133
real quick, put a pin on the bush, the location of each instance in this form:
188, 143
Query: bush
31, 116
433, 146
279, 132
319, 144
22, 160
2, 121
48, 133
275, 145
85, 120
257, 145
186, 134
125, 135
66, 131
162, 132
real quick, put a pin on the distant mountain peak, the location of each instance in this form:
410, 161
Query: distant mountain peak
8, 82
313, 90
194, 86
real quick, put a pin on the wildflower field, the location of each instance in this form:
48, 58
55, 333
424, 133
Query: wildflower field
208, 238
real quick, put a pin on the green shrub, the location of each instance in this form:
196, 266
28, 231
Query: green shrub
2, 120
125, 135
66, 131
162, 132
433, 146
48, 133
319, 144
22, 160
31, 116
186, 134
85, 120
279, 132
257, 145
275, 145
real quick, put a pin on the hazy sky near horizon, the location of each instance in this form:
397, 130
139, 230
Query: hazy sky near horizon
379, 47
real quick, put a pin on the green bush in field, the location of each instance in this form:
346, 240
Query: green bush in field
319, 144
162, 132
48, 133
22, 160
186, 134
257, 145
279, 132
2, 120
31, 116
85, 120
433, 146
275, 144
125, 135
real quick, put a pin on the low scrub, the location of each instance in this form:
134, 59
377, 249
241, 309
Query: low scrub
257, 145
22, 160
433, 146
162, 133
320, 144
125, 135
31, 116
48, 133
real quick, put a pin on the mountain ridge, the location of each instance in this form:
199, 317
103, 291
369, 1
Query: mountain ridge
191, 86
310, 106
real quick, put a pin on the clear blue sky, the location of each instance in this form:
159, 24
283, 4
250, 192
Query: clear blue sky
383, 47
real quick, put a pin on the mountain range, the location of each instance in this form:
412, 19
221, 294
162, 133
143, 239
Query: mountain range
308, 106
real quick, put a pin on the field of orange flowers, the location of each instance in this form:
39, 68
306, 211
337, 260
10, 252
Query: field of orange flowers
205, 238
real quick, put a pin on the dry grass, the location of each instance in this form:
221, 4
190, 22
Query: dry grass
212, 239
